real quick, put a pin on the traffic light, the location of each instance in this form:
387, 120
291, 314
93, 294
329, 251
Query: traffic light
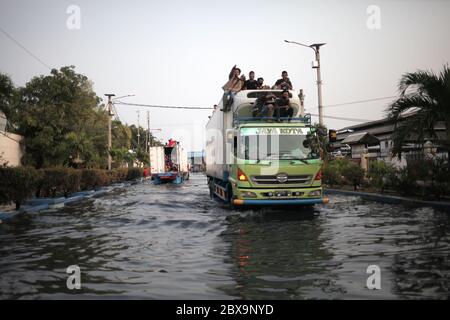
332, 135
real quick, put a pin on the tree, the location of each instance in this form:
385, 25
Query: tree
427, 96
61, 118
7, 97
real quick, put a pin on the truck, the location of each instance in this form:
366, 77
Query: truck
263, 161
169, 163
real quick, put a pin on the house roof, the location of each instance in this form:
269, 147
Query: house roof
360, 138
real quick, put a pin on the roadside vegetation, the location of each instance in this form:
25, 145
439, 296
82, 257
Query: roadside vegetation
20, 183
64, 123
424, 100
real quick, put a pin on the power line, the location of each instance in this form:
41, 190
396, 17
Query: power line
343, 118
25, 49
359, 101
162, 107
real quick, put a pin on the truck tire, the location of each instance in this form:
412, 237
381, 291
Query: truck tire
211, 189
230, 196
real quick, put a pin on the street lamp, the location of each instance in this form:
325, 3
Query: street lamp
315, 65
126, 96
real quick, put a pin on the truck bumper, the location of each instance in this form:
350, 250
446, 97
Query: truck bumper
280, 202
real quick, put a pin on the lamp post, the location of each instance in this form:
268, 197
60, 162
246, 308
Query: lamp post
315, 65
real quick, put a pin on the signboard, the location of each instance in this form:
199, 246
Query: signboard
274, 131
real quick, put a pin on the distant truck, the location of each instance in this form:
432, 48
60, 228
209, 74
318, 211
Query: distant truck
169, 163
257, 161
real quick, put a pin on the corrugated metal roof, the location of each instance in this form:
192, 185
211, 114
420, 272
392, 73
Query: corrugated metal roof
360, 137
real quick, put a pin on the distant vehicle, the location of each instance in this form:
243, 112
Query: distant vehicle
255, 161
169, 163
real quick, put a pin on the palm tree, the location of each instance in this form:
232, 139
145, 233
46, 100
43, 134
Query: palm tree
424, 100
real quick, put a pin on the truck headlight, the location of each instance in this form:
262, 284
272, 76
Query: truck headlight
315, 193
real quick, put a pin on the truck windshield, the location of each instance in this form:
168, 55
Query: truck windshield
274, 147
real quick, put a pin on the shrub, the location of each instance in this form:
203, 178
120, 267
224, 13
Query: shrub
332, 171
353, 175
135, 173
380, 173
93, 178
331, 174
60, 181
118, 174
17, 184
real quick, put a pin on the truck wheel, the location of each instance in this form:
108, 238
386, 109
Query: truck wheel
230, 196
211, 189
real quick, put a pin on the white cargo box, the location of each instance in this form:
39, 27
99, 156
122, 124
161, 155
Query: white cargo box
157, 160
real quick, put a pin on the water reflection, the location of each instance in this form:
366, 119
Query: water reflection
279, 255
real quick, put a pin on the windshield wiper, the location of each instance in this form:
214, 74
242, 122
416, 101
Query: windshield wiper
296, 158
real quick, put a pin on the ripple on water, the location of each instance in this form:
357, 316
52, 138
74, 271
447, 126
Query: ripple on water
173, 242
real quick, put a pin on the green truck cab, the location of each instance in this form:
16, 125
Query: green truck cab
258, 161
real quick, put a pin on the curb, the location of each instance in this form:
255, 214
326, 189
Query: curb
443, 206
39, 204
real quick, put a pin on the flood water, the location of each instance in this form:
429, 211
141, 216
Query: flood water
173, 242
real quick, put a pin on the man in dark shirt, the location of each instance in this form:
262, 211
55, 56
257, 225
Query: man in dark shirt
283, 108
284, 83
251, 83
264, 106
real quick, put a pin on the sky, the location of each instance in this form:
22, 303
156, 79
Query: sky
179, 53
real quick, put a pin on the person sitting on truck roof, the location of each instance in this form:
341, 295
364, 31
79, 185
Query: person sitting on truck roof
261, 84
233, 86
283, 108
264, 106
251, 83
284, 82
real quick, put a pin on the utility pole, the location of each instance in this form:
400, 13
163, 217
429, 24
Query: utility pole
110, 114
315, 65
319, 80
138, 135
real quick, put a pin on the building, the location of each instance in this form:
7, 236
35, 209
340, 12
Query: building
360, 139
11, 150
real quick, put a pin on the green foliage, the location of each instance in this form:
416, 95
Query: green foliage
353, 174
118, 174
122, 157
135, 173
427, 95
332, 171
17, 184
7, 96
61, 120
379, 173
60, 181
94, 178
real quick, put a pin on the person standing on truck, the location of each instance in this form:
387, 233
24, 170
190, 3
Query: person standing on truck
251, 83
284, 83
233, 86
283, 108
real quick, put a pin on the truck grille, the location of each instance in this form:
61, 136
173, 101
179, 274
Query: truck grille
294, 179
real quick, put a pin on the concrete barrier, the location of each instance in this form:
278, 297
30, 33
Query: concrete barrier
439, 205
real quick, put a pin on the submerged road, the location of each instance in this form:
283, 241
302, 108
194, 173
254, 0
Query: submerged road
173, 242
